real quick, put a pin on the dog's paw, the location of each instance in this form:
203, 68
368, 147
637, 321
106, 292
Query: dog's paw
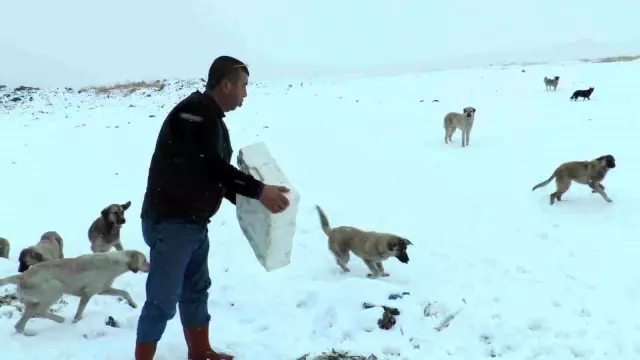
76, 319
609, 200
133, 304
384, 274
57, 318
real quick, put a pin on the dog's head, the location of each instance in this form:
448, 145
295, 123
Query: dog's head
469, 111
137, 261
398, 246
590, 90
607, 161
114, 213
556, 78
27, 258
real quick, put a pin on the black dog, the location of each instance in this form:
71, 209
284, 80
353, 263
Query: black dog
584, 94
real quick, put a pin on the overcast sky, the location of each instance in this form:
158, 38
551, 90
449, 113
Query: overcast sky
80, 42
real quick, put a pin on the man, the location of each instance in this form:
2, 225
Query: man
190, 173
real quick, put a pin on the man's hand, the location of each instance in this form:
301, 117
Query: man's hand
273, 198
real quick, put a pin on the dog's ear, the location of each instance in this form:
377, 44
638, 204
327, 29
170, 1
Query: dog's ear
404, 241
105, 213
391, 245
37, 256
126, 205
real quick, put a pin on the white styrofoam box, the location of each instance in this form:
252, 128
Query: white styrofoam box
270, 235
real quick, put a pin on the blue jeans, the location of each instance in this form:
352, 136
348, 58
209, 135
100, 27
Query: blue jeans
179, 275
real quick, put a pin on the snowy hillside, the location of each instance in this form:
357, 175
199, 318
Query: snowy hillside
120, 40
524, 280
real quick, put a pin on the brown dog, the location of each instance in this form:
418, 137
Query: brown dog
372, 247
4, 248
551, 83
84, 276
104, 232
464, 122
50, 247
590, 173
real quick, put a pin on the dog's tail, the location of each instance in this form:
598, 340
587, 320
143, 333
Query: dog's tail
447, 121
545, 183
14, 279
324, 222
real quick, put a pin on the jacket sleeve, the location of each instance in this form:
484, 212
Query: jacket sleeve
230, 195
202, 136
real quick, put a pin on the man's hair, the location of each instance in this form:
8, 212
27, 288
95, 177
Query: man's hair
225, 67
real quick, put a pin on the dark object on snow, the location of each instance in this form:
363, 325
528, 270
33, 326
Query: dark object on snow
387, 320
584, 94
112, 322
436, 100
398, 296
25, 88
390, 309
338, 355
8, 299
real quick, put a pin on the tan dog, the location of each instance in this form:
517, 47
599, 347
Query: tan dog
372, 247
104, 232
464, 122
4, 248
50, 247
590, 173
551, 83
84, 276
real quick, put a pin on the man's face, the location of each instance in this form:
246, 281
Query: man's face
236, 92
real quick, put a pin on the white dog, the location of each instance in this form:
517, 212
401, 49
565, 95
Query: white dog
43, 284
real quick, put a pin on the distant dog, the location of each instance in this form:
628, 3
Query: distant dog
584, 94
84, 276
590, 173
551, 83
372, 247
104, 232
4, 248
464, 122
50, 247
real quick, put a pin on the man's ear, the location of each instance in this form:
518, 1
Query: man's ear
226, 85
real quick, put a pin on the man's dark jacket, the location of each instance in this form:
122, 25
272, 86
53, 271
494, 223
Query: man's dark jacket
191, 169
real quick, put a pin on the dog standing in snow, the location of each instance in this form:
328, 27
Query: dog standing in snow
584, 94
43, 284
4, 248
372, 247
104, 232
464, 122
590, 173
551, 82
50, 247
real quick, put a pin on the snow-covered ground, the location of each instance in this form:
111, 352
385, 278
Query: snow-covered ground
526, 280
